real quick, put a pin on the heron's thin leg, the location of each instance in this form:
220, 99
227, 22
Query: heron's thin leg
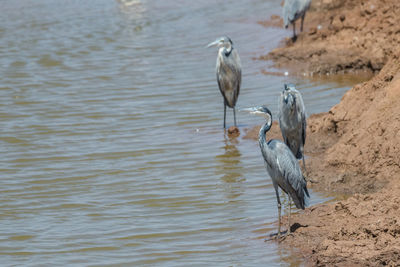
224, 114
294, 30
234, 115
302, 21
290, 212
279, 210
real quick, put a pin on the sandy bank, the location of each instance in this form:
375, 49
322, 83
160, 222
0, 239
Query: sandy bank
355, 147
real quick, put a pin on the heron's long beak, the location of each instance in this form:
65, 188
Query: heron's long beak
247, 109
260, 111
253, 110
213, 43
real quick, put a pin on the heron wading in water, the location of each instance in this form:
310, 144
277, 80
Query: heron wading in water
292, 120
292, 11
229, 73
282, 167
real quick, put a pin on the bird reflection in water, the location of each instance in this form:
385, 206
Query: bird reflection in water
230, 167
134, 11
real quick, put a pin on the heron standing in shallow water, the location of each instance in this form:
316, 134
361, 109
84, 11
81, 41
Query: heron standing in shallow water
282, 166
292, 11
229, 73
292, 120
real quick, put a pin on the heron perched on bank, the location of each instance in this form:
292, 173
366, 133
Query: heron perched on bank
292, 120
282, 166
229, 73
292, 11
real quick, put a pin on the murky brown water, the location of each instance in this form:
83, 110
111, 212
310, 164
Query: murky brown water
111, 134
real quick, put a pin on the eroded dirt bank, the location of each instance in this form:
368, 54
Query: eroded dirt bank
355, 147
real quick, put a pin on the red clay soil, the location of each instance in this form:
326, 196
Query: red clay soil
355, 147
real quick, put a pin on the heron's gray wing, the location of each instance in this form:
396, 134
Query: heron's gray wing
291, 10
286, 11
281, 120
229, 76
290, 171
224, 83
237, 68
221, 84
301, 110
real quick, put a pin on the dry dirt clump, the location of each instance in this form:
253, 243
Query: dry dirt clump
233, 131
342, 36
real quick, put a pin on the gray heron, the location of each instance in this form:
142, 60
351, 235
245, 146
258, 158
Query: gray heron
229, 73
292, 11
292, 120
282, 166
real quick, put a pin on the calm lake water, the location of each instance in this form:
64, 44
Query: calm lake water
111, 134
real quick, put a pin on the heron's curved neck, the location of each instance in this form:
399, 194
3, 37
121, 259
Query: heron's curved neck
264, 129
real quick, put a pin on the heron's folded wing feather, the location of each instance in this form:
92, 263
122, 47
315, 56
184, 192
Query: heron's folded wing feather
229, 76
290, 169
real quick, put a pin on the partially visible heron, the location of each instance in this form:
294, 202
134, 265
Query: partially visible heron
292, 120
229, 73
282, 166
292, 11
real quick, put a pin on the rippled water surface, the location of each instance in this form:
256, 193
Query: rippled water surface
111, 134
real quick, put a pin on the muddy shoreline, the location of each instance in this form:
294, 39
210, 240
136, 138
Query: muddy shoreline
355, 147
